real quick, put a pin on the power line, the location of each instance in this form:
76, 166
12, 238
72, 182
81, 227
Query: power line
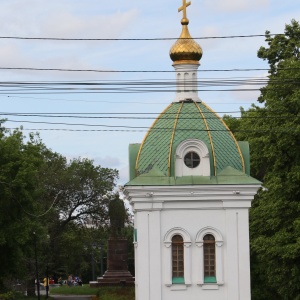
132, 127
145, 130
159, 84
138, 71
104, 101
136, 39
188, 116
31, 214
132, 113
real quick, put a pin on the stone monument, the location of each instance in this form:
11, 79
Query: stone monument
117, 251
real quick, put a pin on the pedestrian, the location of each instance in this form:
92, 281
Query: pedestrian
70, 280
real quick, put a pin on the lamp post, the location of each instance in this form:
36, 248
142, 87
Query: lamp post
36, 268
101, 259
47, 280
93, 261
99, 247
96, 246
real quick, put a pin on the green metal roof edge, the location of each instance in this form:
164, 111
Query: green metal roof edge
228, 176
133, 153
244, 146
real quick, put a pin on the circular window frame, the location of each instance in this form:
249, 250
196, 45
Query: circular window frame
195, 159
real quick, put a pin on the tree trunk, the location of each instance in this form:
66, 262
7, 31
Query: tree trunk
30, 283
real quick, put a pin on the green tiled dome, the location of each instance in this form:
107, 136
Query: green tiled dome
188, 120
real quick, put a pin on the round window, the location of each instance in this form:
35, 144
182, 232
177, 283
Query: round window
192, 160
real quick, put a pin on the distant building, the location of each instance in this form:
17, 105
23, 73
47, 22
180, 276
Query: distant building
190, 191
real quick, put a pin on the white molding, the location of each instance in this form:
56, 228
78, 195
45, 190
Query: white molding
191, 197
186, 79
177, 230
187, 255
219, 255
195, 145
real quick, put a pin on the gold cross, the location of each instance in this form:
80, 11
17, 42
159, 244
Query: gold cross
183, 7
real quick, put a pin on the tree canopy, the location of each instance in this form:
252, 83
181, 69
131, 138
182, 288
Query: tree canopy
273, 132
42, 192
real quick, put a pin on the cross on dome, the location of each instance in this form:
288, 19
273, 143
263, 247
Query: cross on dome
183, 8
185, 50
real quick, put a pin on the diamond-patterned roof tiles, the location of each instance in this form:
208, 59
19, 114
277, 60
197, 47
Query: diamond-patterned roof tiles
182, 121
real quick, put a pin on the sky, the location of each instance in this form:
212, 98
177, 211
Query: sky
119, 19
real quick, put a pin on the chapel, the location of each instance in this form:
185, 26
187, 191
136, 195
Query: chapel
190, 190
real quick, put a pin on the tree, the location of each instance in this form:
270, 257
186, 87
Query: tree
19, 162
77, 190
77, 193
43, 193
273, 132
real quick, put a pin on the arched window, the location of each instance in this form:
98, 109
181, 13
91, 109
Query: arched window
179, 83
192, 159
177, 259
186, 85
209, 256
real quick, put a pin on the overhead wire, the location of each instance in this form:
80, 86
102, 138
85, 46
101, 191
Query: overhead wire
139, 71
137, 39
189, 116
145, 130
106, 101
71, 87
31, 214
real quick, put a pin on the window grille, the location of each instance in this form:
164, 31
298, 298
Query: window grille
177, 257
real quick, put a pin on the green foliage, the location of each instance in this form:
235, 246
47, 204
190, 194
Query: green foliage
74, 290
17, 296
282, 48
8, 296
116, 293
19, 162
103, 293
273, 132
43, 193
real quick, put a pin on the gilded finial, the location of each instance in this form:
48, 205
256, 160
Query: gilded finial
184, 20
185, 50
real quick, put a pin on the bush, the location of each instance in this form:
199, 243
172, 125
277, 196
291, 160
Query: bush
8, 296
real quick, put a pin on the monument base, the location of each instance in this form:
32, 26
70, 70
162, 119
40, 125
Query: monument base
117, 269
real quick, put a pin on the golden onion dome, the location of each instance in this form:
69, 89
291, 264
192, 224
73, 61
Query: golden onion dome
185, 50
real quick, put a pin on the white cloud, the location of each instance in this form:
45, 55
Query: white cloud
107, 161
66, 24
58, 19
124, 175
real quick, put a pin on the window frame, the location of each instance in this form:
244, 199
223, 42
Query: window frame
209, 258
194, 158
200, 148
177, 259
186, 279
218, 278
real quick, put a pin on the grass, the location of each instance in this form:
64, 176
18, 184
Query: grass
116, 293
103, 293
74, 290
18, 296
